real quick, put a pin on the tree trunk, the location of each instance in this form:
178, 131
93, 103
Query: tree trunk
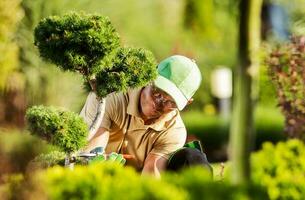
242, 120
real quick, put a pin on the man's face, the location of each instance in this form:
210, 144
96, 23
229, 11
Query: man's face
155, 102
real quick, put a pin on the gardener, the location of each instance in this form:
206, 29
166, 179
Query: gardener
145, 123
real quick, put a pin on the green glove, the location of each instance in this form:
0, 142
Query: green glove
115, 157
99, 158
112, 157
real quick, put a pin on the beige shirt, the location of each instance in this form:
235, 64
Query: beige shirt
129, 134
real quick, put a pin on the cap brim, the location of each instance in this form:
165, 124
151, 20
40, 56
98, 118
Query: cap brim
171, 89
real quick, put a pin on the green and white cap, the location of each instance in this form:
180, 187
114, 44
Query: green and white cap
179, 77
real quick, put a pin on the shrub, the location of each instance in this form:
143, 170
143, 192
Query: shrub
63, 129
112, 181
88, 44
76, 42
130, 68
280, 168
50, 159
198, 184
103, 181
287, 70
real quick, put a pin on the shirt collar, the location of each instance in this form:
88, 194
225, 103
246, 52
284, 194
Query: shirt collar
163, 122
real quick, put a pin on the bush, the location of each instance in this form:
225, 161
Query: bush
198, 184
76, 41
88, 44
112, 181
280, 168
287, 70
49, 159
103, 181
63, 129
130, 68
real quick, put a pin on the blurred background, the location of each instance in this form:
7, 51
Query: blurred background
206, 31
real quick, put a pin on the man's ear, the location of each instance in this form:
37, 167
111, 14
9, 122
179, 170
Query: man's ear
190, 101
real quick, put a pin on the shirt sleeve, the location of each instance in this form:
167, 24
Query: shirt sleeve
171, 140
89, 111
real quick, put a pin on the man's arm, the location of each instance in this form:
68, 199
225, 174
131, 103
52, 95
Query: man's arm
100, 139
154, 164
88, 113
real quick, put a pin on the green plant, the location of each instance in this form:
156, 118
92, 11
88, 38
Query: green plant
88, 44
287, 70
131, 67
199, 185
280, 168
50, 159
112, 181
63, 129
76, 42
103, 181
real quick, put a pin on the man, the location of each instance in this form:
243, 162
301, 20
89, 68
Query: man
145, 123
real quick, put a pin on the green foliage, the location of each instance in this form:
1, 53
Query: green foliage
112, 181
131, 67
287, 70
10, 15
63, 129
104, 181
214, 131
198, 184
280, 168
88, 44
76, 42
266, 91
50, 159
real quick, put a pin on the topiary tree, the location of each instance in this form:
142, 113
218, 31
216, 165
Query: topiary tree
63, 129
88, 44
287, 70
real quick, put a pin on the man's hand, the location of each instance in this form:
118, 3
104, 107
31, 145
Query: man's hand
116, 158
112, 157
